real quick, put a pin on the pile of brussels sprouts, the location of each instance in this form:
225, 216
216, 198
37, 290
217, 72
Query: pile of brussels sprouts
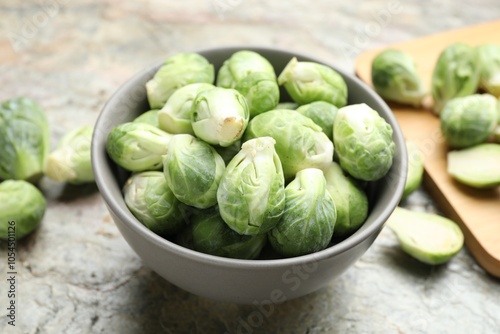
465, 88
224, 165
26, 158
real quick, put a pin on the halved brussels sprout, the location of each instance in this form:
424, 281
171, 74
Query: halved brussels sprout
307, 82
219, 116
70, 162
489, 68
395, 77
477, 166
322, 113
350, 200
363, 142
193, 170
175, 116
211, 235
427, 237
469, 120
150, 117
300, 143
24, 140
137, 147
178, 71
22, 207
151, 201
251, 194
415, 169
309, 218
455, 74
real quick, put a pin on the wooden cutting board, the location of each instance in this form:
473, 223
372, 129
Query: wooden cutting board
476, 211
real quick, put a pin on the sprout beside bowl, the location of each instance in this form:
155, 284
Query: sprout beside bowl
237, 280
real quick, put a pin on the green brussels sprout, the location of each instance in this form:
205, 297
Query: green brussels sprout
309, 218
363, 141
350, 200
70, 162
415, 169
322, 113
211, 235
193, 170
153, 203
287, 105
427, 237
455, 75
300, 143
261, 92
22, 207
175, 116
469, 120
240, 65
395, 78
307, 82
219, 116
476, 166
137, 147
178, 71
24, 140
489, 68
150, 117
251, 194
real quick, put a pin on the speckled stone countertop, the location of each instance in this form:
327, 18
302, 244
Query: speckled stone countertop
76, 274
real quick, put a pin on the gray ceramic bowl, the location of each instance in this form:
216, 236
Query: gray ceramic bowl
232, 280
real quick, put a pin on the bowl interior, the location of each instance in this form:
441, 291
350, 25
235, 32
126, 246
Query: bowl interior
130, 101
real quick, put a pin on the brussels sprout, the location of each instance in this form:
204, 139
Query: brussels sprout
219, 116
211, 235
193, 170
395, 78
70, 162
287, 105
153, 203
150, 117
261, 92
178, 71
22, 207
24, 140
137, 147
307, 82
251, 194
427, 237
477, 166
175, 116
300, 143
322, 113
363, 141
489, 68
415, 169
309, 218
240, 65
469, 120
350, 200
455, 74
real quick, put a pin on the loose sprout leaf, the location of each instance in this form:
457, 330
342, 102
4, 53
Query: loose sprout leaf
427, 237
478, 166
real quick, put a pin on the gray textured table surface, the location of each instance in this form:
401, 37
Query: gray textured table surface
76, 274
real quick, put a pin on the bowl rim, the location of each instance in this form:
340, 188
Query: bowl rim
129, 221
